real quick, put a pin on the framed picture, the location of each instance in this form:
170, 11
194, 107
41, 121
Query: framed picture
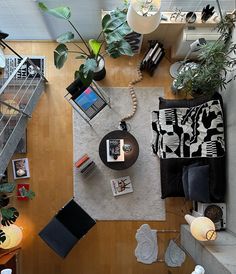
20, 168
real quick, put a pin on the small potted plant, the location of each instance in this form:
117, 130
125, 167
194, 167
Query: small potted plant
114, 30
215, 60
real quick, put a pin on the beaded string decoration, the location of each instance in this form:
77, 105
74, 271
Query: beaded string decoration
133, 94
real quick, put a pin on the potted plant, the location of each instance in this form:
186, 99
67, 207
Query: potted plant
215, 60
114, 30
8, 213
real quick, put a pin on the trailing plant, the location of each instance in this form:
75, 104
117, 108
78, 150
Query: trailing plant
8, 213
215, 61
114, 30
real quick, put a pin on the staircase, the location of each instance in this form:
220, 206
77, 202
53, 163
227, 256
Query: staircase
18, 97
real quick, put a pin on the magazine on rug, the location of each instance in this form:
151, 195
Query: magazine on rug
115, 152
121, 186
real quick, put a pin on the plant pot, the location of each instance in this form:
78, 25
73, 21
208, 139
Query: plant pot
100, 72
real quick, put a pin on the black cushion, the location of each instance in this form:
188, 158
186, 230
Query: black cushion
196, 183
58, 237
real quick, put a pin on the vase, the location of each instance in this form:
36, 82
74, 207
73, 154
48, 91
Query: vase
100, 71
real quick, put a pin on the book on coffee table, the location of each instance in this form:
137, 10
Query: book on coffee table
121, 186
115, 152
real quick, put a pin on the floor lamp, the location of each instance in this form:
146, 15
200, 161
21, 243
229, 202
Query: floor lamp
195, 46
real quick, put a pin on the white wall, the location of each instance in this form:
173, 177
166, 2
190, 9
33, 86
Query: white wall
23, 20
230, 107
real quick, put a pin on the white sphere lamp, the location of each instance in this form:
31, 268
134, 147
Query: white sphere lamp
13, 235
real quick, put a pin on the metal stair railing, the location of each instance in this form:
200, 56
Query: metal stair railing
18, 97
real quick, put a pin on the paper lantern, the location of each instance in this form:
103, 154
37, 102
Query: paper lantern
144, 16
202, 228
13, 236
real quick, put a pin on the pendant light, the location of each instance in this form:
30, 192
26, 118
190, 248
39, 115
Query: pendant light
144, 16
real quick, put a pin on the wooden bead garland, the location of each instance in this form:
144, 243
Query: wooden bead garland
133, 95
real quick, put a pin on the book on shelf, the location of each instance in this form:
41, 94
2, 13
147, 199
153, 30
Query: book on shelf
121, 186
115, 151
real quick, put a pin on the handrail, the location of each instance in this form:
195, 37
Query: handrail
12, 75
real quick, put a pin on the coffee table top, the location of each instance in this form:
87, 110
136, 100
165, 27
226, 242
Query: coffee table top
130, 157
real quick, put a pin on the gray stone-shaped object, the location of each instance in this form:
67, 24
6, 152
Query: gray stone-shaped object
174, 255
147, 249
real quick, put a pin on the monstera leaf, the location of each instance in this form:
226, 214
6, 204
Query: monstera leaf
119, 48
60, 55
89, 65
80, 74
7, 187
9, 215
65, 37
59, 12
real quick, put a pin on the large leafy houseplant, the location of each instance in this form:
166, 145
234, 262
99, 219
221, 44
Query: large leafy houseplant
8, 213
114, 30
215, 61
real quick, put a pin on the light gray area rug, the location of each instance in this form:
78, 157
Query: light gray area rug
94, 193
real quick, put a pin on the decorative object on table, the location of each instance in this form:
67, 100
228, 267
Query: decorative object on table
147, 248
198, 270
88, 101
190, 17
201, 228
144, 16
23, 192
214, 211
85, 165
13, 235
145, 202
177, 15
215, 59
207, 13
20, 168
114, 29
121, 186
152, 57
178, 66
126, 159
115, 152
174, 255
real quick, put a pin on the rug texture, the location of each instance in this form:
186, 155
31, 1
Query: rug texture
94, 193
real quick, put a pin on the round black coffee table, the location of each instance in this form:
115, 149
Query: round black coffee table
130, 157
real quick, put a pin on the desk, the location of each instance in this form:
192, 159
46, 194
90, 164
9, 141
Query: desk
130, 157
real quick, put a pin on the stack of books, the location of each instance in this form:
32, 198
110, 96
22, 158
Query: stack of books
152, 57
85, 165
115, 152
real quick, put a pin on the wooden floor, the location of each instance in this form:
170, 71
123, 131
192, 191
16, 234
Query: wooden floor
109, 247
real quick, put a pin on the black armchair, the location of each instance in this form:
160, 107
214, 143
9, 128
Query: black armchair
65, 229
